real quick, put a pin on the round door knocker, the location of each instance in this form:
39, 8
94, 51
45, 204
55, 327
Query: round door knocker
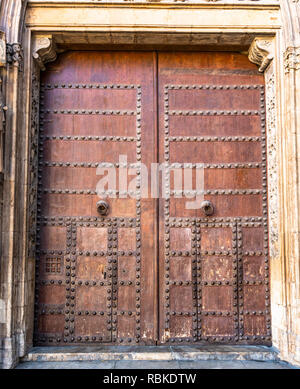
207, 207
102, 207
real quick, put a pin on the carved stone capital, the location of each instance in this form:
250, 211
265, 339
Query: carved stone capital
261, 52
44, 50
291, 59
14, 54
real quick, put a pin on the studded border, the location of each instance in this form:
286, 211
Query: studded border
138, 213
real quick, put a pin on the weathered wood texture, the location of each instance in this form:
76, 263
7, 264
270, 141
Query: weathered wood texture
214, 269
96, 279
99, 275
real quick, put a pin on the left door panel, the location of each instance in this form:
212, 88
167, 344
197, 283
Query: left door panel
96, 273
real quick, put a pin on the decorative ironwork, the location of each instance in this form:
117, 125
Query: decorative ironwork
53, 265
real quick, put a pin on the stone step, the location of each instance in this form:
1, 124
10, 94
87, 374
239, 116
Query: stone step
151, 353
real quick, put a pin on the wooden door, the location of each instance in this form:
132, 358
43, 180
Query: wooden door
214, 269
150, 270
95, 280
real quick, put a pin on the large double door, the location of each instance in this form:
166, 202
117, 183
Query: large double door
123, 257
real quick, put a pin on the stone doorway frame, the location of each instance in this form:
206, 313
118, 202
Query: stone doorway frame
45, 49
40, 47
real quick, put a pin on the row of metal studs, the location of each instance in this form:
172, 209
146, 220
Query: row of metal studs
213, 87
113, 240
234, 165
176, 194
85, 86
109, 252
203, 220
57, 311
37, 336
132, 86
265, 213
249, 165
60, 311
178, 221
71, 274
177, 253
210, 338
212, 224
218, 313
114, 221
235, 274
91, 138
138, 215
212, 113
88, 112
179, 283
166, 220
172, 138
61, 223
78, 282
199, 279
195, 280
215, 139
240, 279
112, 263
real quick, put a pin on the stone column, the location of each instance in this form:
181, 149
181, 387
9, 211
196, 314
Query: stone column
12, 262
286, 272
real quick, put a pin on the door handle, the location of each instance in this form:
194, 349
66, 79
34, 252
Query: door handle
102, 207
207, 207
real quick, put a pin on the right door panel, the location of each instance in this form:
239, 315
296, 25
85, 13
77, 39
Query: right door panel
213, 268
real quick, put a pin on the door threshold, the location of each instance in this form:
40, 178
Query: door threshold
152, 353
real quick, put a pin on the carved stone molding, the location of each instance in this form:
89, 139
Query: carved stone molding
33, 161
44, 50
273, 168
291, 59
3, 109
14, 54
2, 49
261, 52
